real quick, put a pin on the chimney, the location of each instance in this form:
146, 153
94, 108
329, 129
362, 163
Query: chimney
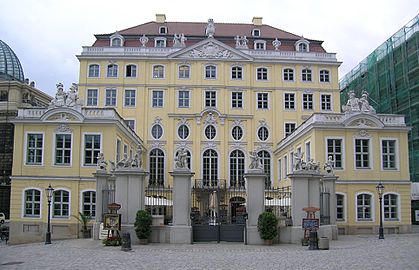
160, 18
257, 21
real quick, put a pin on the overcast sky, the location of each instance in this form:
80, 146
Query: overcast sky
47, 34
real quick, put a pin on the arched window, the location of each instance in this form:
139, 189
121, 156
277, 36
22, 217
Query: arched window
61, 204
210, 168
112, 71
265, 159
158, 71
89, 203
32, 203
156, 168
210, 72
263, 133
237, 169
116, 42
131, 71
184, 72
324, 76
262, 74
94, 71
302, 47
237, 133
364, 207
183, 132
157, 131
288, 74
188, 158
391, 206
210, 132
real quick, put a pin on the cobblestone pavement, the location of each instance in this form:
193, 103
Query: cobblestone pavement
349, 252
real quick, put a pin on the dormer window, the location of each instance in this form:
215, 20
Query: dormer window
117, 40
302, 45
160, 42
260, 45
162, 30
256, 33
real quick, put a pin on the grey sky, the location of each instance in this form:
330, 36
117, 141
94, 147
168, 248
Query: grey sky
47, 34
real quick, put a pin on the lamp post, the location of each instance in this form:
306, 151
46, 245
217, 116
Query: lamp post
49, 192
380, 190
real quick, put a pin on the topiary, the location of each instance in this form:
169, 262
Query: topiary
267, 226
143, 224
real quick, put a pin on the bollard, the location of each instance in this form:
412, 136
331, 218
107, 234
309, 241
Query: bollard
126, 242
313, 242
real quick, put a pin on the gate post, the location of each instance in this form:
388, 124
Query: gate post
101, 182
305, 188
331, 230
255, 188
181, 231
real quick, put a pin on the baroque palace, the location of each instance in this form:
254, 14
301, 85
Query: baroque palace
219, 92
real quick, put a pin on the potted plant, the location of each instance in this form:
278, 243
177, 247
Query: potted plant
143, 226
84, 220
267, 227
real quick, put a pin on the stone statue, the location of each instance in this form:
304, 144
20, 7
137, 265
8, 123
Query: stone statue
312, 165
352, 105
365, 105
241, 42
210, 29
176, 40
237, 39
255, 162
137, 162
244, 41
143, 41
276, 43
123, 163
112, 164
72, 97
182, 40
101, 162
328, 166
299, 163
180, 159
59, 99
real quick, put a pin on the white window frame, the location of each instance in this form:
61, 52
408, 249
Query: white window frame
372, 207
308, 152
279, 170
343, 151
152, 71
267, 74
370, 153
117, 45
310, 73
398, 219
267, 101
218, 163
259, 42
285, 124
328, 75
205, 72
69, 204
237, 72
321, 102
242, 100
189, 98
107, 71
254, 32
131, 119
211, 99
345, 207
189, 132
312, 101
216, 132
269, 134
24, 203
84, 145
26, 148
157, 98
82, 201
136, 71
231, 133
118, 149
293, 74
53, 164
130, 98
286, 169
295, 101
397, 155
189, 71
87, 97
151, 132
116, 97
165, 30
158, 40
88, 70
229, 167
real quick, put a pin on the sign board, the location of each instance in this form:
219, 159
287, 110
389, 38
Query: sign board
103, 234
311, 224
112, 222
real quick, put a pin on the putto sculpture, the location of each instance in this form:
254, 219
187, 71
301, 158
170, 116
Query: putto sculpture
210, 29
255, 163
355, 104
180, 159
67, 99
179, 40
101, 162
328, 166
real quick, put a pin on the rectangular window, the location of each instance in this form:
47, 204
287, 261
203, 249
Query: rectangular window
34, 149
262, 74
334, 149
289, 101
390, 207
289, 128
130, 123
92, 97
364, 207
91, 149
89, 203
131, 71
279, 169
210, 99
285, 166
288, 74
118, 150
262, 100
324, 76
210, 72
60, 204
62, 149
184, 72
340, 210
362, 156
326, 101
236, 73
308, 101
308, 151
129, 100
157, 99
32, 203
183, 101
236, 100
110, 97
388, 149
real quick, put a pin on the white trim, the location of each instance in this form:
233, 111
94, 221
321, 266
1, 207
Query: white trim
178, 71
312, 101
218, 162
253, 32
370, 153
117, 71
271, 167
115, 36
189, 132
69, 204
311, 74
372, 206
81, 209
304, 41
152, 71
216, 132
205, 71
83, 148
178, 97
396, 151
331, 102
259, 41
136, 71
88, 70
285, 168
22, 214
399, 216
54, 146
231, 72
151, 98
124, 105
231, 99
269, 133
345, 208
295, 101
231, 133
279, 164
216, 98
267, 74
306, 152
257, 100
97, 97
135, 122
330, 75
165, 30
326, 157
157, 39
26, 148
116, 97
228, 184
151, 131
293, 74
289, 122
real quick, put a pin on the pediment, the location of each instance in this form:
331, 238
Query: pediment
210, 48
62, 115
362, 120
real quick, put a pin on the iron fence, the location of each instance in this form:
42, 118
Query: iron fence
278, 201
159, 202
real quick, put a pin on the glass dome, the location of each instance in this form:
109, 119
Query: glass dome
10, 67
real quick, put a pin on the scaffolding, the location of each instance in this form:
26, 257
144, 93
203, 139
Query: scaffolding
390, 74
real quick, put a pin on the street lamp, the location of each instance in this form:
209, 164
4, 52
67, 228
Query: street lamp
49, 192
380, 190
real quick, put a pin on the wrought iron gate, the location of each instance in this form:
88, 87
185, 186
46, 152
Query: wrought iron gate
217, 211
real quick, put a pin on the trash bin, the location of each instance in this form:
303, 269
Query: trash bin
324, 243
126, 241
